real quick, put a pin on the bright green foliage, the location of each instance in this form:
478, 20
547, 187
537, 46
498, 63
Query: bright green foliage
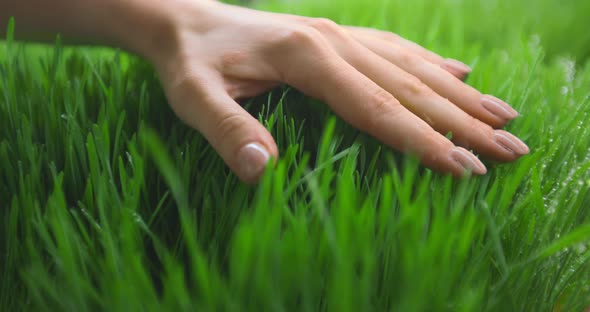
108, 203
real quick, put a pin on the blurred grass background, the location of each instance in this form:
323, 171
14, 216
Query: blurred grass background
107, 202
562, 26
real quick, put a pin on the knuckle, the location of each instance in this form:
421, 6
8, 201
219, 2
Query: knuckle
407, 57
480, 128
389, 36
473, 125
381, 106
381, 100
474, 131
304, 46
324, 25
233, 130
229, 126
300, 36
415, 86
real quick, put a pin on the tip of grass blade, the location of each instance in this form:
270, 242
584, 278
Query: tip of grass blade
10, 30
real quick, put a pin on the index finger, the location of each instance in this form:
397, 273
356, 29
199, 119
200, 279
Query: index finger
456, 68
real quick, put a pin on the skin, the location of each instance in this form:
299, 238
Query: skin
209, 54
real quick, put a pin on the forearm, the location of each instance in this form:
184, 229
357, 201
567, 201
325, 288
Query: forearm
136, 25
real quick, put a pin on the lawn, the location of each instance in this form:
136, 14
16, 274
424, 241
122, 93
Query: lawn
108, 202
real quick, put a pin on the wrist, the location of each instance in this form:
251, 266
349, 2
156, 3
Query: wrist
153, 28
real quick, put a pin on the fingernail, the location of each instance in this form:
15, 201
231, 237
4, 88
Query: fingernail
253, 159
498, 107
511, 143
456, 66
468, 161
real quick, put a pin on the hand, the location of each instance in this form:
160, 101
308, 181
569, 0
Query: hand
389, 87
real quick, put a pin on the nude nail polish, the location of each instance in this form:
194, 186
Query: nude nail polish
498, 107
456, 66
468, 161
511, 143
253, 159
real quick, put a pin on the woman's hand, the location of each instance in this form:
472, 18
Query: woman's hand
209, 54
384, 85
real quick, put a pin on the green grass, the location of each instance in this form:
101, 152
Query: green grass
107, 202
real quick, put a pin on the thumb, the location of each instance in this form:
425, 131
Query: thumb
244, 144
